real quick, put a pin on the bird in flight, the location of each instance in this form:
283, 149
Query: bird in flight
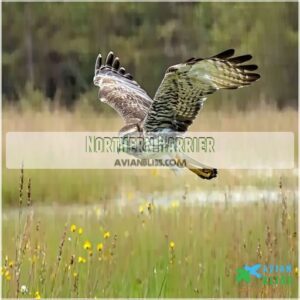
179, 97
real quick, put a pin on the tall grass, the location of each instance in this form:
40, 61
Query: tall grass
141, 249
148, 250
86, 186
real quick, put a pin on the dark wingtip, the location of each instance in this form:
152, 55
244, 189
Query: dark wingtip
190, 60
193, 60
128, 76
253, 76
122, 71
116, 63
225, 54
109, 59
98, 62
248, 67
240, 59
112, 63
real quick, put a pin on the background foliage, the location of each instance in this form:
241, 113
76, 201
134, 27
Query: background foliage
51, 47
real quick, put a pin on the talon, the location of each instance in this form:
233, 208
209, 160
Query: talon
209, 174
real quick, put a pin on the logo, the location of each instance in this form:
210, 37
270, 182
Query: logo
268, 274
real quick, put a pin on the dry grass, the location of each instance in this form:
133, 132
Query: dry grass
150, 251
264, 118
87, 186
147, 250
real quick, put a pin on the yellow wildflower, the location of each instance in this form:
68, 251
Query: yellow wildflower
87, 245
106, 234
100, 247
75, 274
33, 259
154, 172
141, 209
7, 275
73, 228
175, 204
11, 264
130, 196
81, 259
150, 207
98, 212
80, 230
172, 245
37, 295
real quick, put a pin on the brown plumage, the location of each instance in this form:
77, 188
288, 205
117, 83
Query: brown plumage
179, 97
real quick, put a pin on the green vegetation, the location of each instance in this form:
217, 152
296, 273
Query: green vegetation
53, 46
147, 250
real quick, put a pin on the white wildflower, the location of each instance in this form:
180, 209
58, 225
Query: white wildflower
24, 289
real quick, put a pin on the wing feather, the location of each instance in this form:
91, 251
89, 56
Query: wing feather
185, 87
118, 89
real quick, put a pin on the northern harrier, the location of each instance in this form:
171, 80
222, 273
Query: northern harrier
179, 97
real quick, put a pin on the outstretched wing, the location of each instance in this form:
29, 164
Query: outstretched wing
186, 86
118, 89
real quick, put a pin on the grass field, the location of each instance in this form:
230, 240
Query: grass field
88, 186
147, 250
104, 233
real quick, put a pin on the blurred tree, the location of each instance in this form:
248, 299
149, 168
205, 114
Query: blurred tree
53, 45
